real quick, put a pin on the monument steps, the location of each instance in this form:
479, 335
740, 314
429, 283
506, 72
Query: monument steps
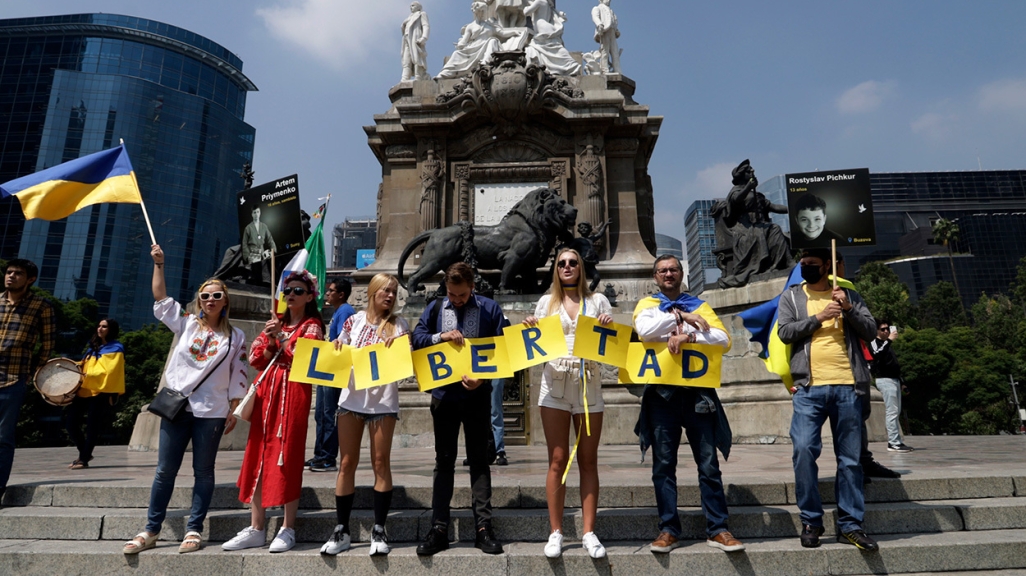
993, 550
519, 525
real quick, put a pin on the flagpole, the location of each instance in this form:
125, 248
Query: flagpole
142, 204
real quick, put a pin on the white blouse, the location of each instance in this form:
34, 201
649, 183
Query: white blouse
196, 354
378, 400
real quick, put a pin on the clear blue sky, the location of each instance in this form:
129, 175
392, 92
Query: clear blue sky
795, 86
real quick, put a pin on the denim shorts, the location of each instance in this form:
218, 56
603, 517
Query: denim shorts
367, 418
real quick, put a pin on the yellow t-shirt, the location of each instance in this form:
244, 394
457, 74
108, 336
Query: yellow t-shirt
828, 358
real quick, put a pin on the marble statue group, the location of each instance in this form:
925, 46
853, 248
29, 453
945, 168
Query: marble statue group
533, 26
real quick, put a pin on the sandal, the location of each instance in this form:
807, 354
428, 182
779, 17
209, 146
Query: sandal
142, 541
192, 542
78, 465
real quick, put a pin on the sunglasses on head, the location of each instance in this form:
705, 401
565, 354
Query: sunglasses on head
567, 263
209, 295
297, 290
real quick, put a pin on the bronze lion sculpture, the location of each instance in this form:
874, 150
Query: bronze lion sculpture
517, 245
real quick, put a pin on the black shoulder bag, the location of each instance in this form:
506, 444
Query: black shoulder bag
170, 404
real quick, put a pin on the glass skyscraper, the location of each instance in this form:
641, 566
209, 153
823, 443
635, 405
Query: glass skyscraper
76, 84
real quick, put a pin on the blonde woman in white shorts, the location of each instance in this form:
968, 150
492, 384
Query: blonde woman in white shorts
561, 400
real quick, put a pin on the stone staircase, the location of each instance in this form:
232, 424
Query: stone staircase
938, 520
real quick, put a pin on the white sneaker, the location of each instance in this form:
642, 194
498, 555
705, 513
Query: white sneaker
249, 537
554, 547
339, 542
593, 546
379, 541
284, 541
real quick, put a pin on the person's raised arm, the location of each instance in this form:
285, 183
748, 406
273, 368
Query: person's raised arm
159, 288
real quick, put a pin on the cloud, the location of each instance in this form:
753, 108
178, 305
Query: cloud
866, 97
1004, 96
338, 32
710, 182
935, 126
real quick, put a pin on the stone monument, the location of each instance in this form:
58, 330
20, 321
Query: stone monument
415, 30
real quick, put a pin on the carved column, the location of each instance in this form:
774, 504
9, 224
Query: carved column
463, 191
432, 174
589, 169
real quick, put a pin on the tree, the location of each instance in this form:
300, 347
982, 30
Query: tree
885, 294
946, 232
1018, 287
997, 321
146, 351
941, 307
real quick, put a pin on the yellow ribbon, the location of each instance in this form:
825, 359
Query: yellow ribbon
587, 420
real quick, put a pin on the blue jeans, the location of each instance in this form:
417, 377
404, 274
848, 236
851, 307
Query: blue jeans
890, 388
813, 405
666, 419
205, 434
498, 426
11, 398
326, 438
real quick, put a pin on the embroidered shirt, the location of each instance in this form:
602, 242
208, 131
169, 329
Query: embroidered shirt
358, 332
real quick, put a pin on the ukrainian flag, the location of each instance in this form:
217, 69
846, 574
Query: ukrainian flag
60, 191
761, 321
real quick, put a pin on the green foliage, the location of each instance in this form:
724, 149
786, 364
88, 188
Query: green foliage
145, 353
1018, 288
885, 294
941, 307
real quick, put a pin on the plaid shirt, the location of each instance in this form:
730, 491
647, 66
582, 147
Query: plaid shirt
22, 325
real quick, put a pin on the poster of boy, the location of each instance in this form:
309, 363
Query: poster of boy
834, 205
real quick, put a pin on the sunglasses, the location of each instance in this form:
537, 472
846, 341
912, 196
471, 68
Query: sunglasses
567, 264
208, 295
297, 290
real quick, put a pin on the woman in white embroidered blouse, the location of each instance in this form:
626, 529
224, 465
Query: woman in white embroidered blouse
376, 408
562, 400
208, 364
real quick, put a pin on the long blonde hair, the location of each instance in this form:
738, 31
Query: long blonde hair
556, 290
194, 307
387, 326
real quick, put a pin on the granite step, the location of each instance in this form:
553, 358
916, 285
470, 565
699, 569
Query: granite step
998, 551
522, 525
523, 494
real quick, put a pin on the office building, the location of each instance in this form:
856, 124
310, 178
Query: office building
348, 237
76, 84
699, 242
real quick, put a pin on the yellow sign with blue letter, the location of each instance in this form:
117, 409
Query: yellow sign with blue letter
607, 344
439, 365
532, 345
317, 362
696, 365
378, 364
488, 358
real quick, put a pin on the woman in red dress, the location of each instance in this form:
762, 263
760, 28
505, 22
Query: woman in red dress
272, 469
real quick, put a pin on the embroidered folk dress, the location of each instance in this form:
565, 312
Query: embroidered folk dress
276, 446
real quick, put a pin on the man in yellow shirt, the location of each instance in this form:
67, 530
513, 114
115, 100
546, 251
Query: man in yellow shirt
823, 327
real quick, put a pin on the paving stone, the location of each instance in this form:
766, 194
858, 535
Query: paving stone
51, 523
992, 513
27, 495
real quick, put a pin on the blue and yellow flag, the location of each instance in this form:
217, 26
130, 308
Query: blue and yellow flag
761, 321
104, 371
60, 191
689, 304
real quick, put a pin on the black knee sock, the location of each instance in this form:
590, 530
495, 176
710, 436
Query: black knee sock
382, 502
343, 509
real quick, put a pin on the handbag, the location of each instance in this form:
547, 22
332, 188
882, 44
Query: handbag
244, 410
170, 404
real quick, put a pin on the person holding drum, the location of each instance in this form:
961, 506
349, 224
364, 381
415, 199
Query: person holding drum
207, 364
25, 321
568, 387
272, 469
104, 371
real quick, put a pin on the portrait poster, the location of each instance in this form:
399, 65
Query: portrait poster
830, 205
270, 221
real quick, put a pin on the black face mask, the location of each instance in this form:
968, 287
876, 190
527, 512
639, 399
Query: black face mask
811, 273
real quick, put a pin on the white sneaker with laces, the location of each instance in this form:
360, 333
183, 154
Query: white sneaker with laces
554, 547
339, 542
249, 537
593, 546
284, 541
379, 541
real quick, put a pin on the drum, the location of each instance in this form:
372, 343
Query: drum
58, 380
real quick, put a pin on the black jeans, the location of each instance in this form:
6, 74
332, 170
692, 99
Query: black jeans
93, 411
474, 413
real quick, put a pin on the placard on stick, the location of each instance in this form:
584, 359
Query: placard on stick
835, 205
